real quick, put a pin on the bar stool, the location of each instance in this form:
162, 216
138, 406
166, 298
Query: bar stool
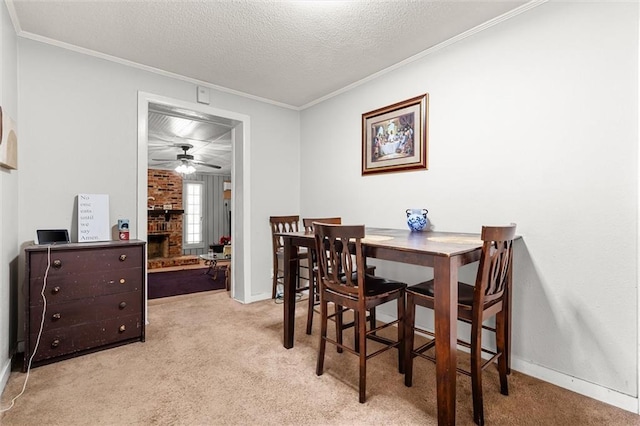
286, 224
476, 303
343, 281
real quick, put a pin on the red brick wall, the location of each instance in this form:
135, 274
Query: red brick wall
166, 187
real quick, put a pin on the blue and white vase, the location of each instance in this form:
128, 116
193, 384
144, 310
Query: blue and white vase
417, 219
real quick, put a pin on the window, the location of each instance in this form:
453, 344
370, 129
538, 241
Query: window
193, 202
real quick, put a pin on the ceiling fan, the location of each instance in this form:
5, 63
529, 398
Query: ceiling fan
186, 161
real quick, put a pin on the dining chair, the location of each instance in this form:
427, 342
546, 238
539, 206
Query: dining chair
489, 297
343, 281
286, 224
314, 294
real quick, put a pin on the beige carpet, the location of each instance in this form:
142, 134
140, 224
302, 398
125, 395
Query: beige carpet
209, 361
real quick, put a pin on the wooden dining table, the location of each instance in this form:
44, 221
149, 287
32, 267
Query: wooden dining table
445, 252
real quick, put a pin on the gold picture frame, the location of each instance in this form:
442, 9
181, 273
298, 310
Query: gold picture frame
8, 142
394, 138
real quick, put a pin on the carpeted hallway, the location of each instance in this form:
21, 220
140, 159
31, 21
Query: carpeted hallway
209, 360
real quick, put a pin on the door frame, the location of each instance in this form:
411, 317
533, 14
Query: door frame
240, 186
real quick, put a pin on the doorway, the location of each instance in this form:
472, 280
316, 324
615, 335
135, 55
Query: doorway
239, 125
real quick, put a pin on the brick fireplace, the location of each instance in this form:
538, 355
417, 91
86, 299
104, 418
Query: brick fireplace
165, 220
157, 246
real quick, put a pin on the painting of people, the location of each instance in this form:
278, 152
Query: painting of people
395, 137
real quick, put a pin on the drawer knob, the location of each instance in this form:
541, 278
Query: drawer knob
122, 280
122, 328
55, 290
57, 263
123, 257
56, 316
55, 343
122, 305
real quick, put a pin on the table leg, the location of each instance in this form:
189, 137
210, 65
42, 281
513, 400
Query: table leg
289, 292
446, 317
210, 264
507, 308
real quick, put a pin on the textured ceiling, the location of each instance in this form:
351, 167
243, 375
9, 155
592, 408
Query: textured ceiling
289, 52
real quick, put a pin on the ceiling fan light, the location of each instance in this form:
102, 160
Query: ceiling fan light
185, 169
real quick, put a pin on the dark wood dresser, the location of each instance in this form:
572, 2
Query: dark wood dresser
94, 298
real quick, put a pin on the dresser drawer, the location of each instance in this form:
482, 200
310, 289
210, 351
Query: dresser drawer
94, 298
52, 344
123, 281
76, 312
64, 288
118, 305
122, 328
65, 262
66, 341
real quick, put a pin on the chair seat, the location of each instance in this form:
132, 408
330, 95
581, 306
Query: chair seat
465, 293
426, 288
376, 286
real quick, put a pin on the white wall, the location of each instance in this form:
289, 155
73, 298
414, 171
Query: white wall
8, 200
533, 121
79, 135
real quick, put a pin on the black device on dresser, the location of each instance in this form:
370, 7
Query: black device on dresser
94, 298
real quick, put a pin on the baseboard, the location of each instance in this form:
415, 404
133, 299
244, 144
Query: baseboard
258, 297
266, 296
591, 390
4, 375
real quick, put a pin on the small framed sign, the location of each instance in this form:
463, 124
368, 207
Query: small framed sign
93, 218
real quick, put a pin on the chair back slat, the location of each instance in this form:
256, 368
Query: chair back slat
336, 246
308, 222
495, 263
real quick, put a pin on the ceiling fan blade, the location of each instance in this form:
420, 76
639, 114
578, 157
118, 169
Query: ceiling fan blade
202, 163
213, 166
163, 159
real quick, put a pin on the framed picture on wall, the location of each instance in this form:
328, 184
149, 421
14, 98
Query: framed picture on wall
8, 142
394, 138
